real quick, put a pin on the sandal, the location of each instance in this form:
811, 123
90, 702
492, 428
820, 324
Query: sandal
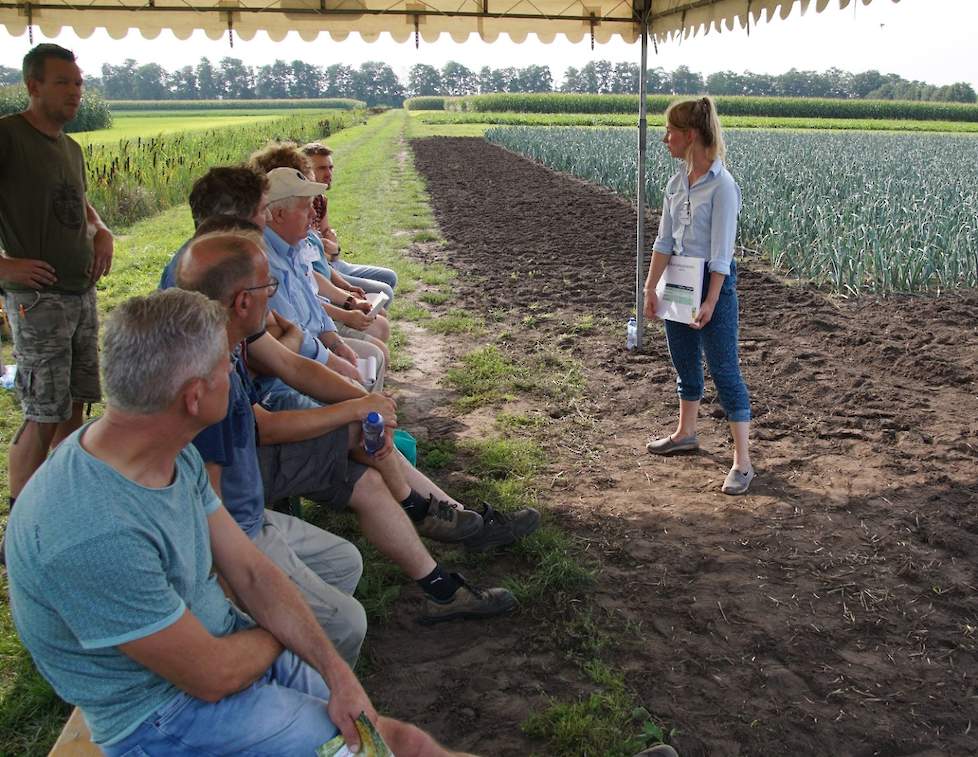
738, 482
667, 445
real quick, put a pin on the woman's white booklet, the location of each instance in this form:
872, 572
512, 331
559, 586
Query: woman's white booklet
680, 289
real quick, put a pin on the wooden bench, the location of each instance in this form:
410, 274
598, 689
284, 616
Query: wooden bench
75, 739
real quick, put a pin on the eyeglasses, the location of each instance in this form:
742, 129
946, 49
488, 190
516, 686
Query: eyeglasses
271, 286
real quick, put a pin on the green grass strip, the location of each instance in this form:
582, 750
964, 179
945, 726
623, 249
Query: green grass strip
600, 724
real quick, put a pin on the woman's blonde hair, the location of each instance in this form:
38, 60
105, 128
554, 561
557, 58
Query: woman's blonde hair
699, 114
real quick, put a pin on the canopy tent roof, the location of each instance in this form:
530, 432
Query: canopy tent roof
573, 19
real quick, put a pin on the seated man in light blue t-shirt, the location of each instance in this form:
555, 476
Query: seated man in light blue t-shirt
111, 558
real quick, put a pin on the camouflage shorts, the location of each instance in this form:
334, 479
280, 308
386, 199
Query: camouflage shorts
56, 348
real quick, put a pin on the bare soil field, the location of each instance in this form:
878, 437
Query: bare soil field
830, 611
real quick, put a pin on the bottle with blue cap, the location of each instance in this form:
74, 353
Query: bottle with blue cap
373, 433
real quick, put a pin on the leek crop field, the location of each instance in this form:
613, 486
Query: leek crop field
851, 211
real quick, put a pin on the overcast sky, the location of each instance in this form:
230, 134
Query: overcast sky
930, 40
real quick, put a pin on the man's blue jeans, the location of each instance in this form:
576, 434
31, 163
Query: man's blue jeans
283, 714
718, 341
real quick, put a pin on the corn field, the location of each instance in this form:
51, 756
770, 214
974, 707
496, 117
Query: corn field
781, 107
851, 211
137, 178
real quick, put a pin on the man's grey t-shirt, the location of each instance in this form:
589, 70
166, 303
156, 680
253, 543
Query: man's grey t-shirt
95, 560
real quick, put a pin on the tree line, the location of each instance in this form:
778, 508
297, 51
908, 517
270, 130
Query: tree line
377, 84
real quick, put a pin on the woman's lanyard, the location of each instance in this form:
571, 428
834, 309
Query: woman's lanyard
684, 214
684, 217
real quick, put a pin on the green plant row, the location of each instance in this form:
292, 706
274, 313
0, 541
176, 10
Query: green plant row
742, 122
855, 212
798, 107
425, 103
335, 103
92, 114
136, 178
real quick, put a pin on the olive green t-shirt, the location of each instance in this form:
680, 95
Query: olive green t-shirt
42, 203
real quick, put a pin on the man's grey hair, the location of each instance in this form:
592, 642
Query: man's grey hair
238, 264
154, 345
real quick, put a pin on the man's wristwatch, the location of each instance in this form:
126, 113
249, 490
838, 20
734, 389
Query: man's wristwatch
348, 303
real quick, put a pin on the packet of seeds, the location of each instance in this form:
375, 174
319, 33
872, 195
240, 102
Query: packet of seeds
371, 743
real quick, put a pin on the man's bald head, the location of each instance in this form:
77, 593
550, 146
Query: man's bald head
220, 264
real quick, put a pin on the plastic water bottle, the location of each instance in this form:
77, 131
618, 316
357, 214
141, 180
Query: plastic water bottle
9, 374
631, 334
373, 433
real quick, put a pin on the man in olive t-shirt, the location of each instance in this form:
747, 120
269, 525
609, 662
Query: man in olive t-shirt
55, 247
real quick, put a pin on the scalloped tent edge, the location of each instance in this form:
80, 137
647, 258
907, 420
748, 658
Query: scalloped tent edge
574, 20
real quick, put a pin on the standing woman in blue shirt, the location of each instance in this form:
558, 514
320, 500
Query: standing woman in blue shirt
699, 219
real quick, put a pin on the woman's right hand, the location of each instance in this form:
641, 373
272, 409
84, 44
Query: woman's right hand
651, 305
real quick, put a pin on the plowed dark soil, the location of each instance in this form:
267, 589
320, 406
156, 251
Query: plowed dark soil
831, 611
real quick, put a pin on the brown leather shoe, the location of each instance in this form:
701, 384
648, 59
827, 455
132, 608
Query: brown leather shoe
468, 602
500, 529
447, 523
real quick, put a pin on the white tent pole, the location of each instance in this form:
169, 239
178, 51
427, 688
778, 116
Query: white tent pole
640, 189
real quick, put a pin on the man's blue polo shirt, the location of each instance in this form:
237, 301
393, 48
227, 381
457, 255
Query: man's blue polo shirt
233, 444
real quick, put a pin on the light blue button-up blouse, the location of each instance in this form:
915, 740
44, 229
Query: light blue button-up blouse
701, 221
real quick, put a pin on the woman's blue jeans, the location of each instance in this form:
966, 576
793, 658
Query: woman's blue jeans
282, 714
718, 342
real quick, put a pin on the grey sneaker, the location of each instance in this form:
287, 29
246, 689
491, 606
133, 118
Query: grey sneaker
447, 523
500, 529
737, 481
668, 446
469, 602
